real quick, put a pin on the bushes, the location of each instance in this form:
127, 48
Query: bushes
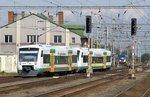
3, 73
145, 57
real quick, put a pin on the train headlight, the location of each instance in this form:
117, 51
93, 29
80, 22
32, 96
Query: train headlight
124, 60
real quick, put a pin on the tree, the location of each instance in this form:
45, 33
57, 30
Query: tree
124, 52
145, 57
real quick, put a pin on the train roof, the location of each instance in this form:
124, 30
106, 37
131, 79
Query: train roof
85, 50
35, 45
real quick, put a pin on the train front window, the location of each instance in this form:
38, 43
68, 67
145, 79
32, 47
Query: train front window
28, 57
28, 54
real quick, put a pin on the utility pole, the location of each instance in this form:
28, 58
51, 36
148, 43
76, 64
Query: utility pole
106, 37
36, 31
18, 30
113, 40
133, 51
133, 33
88, 31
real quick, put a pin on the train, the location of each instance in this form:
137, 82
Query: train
122, 59
37, 59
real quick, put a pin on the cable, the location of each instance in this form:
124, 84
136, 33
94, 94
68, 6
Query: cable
140, 13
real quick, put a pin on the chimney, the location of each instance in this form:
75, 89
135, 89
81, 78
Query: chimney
22, 14
11, 16
60, 18
51, 18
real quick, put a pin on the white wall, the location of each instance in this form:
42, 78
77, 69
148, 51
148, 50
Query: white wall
8, 63
30, 26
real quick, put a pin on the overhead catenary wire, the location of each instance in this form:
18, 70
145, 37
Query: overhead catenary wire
139, 12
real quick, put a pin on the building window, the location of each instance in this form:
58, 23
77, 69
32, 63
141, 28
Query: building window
8, 38
57, 39
73, 40
32, 38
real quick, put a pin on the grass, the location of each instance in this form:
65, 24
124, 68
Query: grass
8, 74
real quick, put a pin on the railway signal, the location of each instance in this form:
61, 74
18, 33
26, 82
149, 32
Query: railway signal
88, 24
133, 33
133, 26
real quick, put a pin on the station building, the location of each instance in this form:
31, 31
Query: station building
32, 29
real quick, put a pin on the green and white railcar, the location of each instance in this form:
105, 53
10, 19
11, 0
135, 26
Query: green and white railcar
96, 58
101, 58
82, 63
36, 59
30, 59
60, 58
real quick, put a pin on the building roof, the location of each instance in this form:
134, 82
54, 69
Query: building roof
77, 29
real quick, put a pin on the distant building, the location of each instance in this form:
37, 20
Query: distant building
35, 29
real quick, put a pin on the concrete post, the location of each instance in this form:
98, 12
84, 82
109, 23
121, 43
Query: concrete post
18, 29
67, 37
47, 31
0, 39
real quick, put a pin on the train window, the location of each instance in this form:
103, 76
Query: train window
46, 58
29, 49
61, 59
78, 53
74, 59
85, 59
82, 55
97, 59
42, 53
56, 61
108, 58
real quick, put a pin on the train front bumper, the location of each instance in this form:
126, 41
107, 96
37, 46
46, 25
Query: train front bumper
30, 73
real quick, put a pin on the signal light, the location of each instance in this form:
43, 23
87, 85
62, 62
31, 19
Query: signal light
133, 26
88, 24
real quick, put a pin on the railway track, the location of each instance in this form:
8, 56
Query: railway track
81, 88
102, 78
14, 79
140, 89
25, 85
9, 79
15, 86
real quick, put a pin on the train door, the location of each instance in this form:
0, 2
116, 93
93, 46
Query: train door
84, 56
40, 59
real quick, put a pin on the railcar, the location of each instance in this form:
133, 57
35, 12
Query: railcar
123, 59
37, 59
101, 58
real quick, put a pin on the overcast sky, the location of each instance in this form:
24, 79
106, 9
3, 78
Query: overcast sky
65, 2
77, 16
74, 2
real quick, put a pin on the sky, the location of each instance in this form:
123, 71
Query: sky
63, 2
77, 15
